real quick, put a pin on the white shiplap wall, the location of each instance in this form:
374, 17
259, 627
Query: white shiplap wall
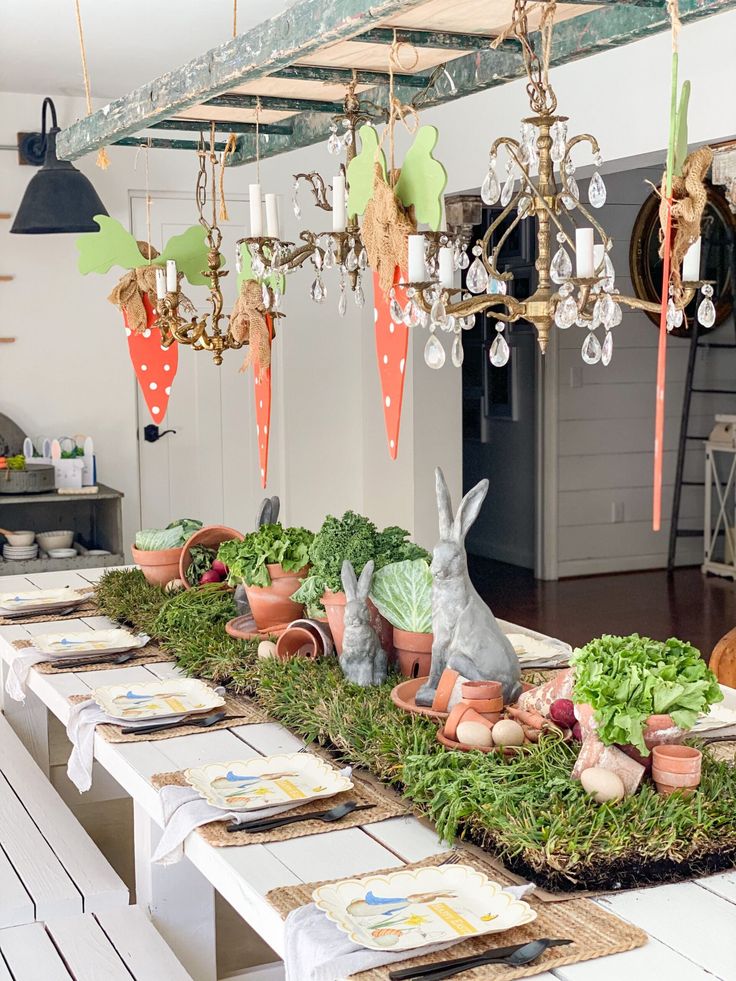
606, 424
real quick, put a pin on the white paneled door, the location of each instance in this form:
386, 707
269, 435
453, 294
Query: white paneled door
207, 468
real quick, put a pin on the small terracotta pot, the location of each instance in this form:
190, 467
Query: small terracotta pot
159, 566
334, 604
272, 605
211, 536
444, 689
661, 729
677, 759
413, 651
485, 705
675, 779
483, 690
665, 790
297, 642
455, 718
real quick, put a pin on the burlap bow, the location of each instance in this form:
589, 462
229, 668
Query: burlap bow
689, 198
248, 325
130, 290
385, 232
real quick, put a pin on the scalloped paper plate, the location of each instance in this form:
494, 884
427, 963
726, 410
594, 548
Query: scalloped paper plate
39, 601
113, 641
248, 785
157, 699
408, 909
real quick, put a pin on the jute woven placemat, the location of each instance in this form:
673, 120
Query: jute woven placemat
150, 654
217, 834
594, 931
87, 609
240, 712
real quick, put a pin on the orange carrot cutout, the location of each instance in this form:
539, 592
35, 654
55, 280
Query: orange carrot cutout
262, 390
392, 342
155, 366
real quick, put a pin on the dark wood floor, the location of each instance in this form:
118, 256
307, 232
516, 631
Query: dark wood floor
687, 604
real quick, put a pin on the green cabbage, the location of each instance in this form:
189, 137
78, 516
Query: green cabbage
173, 536
402, 592
627, 679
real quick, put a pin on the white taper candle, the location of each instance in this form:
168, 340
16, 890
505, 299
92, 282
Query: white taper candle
446, 267
171, 281
339, 203
272, 215
256, 214
160, 283
584, 268
417, 264
691, 263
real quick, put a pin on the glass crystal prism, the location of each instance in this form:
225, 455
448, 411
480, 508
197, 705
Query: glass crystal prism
318, 291
342, 303
496, 287
674, 315
457, 353
394, 308
499, 352
477, 277
295, 206
596, 191
707, 313
438, 314
434, 353
591, 350
359, 296
571, 194
351, 261
265, 296
566, 313
607, 349
508, 190
490, 190
334, 144
560, 268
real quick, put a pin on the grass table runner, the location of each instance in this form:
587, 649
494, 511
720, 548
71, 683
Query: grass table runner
594, 931
240, 712
216, 833
150, 654
87, 609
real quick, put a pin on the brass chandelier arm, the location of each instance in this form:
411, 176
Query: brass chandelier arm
318, 187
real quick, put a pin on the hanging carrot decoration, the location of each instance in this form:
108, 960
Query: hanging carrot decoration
155, 366
392, 343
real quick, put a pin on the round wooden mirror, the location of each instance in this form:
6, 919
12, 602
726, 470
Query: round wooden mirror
718, 231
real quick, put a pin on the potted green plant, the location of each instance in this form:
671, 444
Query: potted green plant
356, 538
157, 551
271, 564
402, 593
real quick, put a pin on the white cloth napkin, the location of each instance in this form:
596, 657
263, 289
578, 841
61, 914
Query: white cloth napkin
19, 666
83, 719
315, 949
184, 810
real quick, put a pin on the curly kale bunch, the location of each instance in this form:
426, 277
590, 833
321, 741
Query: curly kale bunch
356, 538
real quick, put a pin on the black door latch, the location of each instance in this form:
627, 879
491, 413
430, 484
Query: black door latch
152, 435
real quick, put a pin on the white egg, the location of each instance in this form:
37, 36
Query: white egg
267, 648
474, 734
602, 785
507, 732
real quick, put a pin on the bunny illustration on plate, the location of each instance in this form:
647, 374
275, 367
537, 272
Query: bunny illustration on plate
363, 660
467, 637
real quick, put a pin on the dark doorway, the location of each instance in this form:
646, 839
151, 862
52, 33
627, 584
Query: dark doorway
499, 414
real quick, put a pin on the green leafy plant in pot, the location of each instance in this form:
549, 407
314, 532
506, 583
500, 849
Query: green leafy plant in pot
402, 593
271, 563
356, 538
157, 551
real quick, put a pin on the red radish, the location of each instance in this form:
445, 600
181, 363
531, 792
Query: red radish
155, 366
210, 576
577, 732
220, 568
562, 711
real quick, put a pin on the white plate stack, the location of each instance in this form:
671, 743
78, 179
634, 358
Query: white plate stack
20, 553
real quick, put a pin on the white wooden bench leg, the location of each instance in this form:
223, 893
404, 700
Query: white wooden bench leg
30, 721
181, 902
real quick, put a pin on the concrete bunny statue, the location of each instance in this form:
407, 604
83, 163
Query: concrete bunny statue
363, 660
467, 637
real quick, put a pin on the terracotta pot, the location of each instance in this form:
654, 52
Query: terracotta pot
334, 604
296, 642
482, 689
677, 759
665, 790
211, 536
659, 729
485, 706
159, 566
414, 652
675, 779
444, 689
272, 605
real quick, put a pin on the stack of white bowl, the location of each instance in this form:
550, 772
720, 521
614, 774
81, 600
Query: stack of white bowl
20, 546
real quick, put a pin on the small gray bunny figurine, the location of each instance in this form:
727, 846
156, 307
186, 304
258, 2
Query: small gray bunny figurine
467, 637
363, 660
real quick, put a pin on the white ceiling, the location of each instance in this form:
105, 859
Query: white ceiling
128, 42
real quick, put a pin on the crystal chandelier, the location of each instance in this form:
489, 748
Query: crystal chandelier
537, 181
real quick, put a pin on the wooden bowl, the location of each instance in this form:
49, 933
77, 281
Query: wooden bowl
404, 696
211, 536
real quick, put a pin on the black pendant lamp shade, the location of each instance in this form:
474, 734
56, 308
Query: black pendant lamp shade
59, 198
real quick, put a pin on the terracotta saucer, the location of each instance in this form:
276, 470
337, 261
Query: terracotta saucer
404, 696
244, 628
453, 744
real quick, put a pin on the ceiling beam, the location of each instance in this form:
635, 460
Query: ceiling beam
343, 76
434, 39
238, 100
273, 44
611, 25
223, 126
158, 144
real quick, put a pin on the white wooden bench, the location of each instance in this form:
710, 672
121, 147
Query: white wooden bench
113, 944
49, 866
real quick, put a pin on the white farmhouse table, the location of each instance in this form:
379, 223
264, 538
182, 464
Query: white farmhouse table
691, 925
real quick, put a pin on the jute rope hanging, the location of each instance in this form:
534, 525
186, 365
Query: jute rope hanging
103, 161
248, 325
129, 292
387, 224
